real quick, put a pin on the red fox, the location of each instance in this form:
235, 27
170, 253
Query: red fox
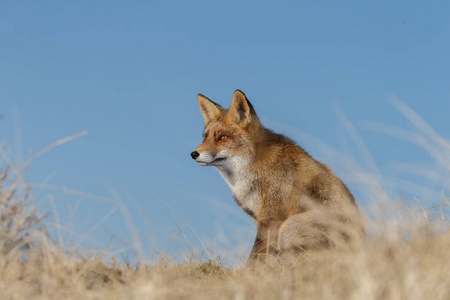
296, 202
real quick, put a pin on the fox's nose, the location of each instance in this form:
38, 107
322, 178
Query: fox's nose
195, 154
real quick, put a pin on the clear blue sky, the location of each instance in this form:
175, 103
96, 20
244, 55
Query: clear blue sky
129, 71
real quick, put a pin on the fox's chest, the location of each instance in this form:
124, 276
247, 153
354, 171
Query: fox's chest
247, 197
244, 189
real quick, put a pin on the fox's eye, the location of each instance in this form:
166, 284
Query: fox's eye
222, 137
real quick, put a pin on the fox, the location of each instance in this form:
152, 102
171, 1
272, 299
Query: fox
296, 202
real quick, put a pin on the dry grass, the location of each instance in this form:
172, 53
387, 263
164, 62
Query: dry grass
406, 256
410, 261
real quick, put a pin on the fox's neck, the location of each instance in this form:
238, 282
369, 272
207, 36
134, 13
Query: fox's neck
233, 170
242, 184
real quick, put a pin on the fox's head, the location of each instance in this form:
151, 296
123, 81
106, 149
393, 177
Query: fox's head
230, 134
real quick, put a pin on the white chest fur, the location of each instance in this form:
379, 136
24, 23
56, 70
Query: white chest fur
242, 185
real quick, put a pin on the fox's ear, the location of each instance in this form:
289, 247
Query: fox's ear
209, 109
241, 110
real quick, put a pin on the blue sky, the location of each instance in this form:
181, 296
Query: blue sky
128, 72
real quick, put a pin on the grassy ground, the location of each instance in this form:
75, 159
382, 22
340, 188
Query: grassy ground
405, 256
407, 260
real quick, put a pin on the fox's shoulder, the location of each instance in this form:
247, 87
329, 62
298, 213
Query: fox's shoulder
277, 149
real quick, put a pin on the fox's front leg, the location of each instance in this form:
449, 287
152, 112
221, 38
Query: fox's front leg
265, 242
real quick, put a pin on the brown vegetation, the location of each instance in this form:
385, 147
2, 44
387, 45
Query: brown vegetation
407, 262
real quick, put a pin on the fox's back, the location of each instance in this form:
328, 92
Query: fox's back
286, 170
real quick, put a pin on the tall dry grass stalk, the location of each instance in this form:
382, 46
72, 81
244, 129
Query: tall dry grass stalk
20, 221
